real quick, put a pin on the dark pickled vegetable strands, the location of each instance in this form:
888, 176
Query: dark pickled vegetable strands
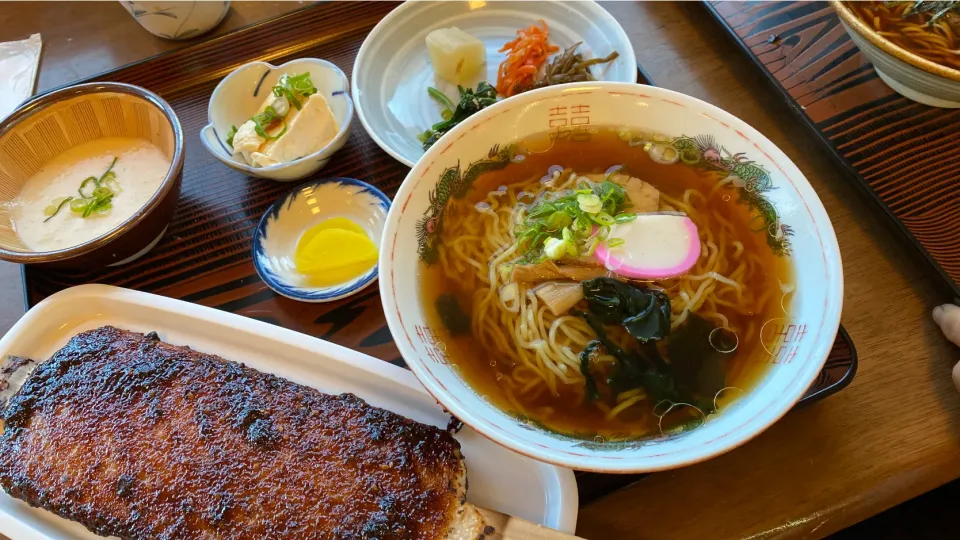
568, 67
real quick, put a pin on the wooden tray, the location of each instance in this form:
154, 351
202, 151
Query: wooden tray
206, 256
903, 155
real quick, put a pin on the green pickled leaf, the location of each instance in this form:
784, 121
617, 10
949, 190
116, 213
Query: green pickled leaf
470, 103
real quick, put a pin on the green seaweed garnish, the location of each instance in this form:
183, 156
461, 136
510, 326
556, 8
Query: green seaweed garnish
590, 383
645, 315
937, 8
454, 319
696, 364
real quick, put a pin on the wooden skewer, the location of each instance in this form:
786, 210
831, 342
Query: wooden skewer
513, 528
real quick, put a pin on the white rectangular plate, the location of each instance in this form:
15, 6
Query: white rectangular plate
498, 479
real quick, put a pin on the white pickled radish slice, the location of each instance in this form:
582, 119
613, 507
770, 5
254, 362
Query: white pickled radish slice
655, 246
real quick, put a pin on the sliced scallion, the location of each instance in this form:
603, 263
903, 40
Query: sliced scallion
89, 181
614, 242
55, 208
96, 195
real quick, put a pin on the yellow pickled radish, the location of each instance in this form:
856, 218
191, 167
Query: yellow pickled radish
339, 276
334, 252
332, 223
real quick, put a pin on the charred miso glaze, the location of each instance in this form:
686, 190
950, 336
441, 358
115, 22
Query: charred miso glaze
136, 438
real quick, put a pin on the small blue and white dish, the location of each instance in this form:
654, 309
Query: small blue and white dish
275, 241
239, 96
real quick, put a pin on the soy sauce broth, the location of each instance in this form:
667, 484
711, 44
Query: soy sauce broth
567, 412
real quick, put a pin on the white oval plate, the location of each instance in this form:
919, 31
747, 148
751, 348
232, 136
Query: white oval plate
499, 479
392, 70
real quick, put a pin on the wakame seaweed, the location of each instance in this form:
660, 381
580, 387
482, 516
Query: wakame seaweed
590, 383
644, 313
695, 373
697, 366
456, 321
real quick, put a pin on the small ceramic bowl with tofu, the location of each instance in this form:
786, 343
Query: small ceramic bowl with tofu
283, 122
320, 242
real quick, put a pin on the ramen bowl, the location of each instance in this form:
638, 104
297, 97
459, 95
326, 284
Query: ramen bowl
52, 125
908, 73
745, 168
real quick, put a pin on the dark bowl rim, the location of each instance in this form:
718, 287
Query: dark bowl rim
43, 101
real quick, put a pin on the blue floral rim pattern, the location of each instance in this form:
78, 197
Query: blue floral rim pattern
325, 294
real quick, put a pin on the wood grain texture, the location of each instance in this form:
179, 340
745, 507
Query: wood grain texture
891, 435
906, 155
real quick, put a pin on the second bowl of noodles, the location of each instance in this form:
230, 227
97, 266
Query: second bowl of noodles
914, 46
611, 277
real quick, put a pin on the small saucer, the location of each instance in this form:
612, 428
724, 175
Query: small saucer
275, 241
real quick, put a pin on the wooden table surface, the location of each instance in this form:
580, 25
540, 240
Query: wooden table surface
890, 436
